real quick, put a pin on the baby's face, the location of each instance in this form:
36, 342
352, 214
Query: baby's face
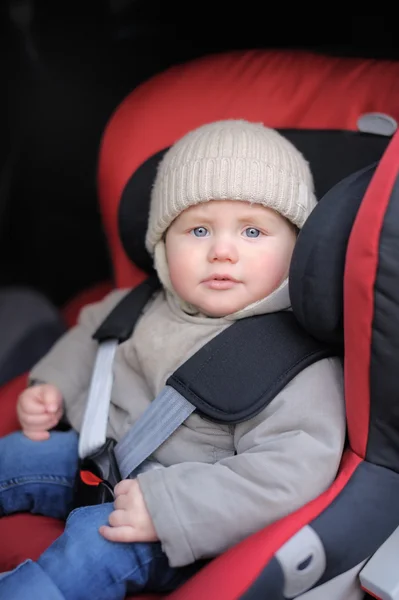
224, 255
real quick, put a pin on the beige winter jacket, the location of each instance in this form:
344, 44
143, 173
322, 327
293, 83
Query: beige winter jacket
222, 482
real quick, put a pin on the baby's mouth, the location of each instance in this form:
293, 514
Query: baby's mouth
221, 282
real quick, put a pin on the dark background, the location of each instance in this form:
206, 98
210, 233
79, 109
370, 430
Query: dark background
64, 68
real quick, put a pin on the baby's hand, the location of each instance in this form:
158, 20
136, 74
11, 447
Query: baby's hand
39, 408
130, 521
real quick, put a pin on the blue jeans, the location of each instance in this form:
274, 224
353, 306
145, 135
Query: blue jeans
38, 477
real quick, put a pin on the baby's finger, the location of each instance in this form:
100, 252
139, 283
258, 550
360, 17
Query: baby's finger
118, 518
124, 486
34, 420
32, 405
37, 436
121, 502
125, 533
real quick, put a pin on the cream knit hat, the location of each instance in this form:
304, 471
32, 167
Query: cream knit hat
230, 160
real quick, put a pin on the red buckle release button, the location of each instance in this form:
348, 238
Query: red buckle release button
89, 478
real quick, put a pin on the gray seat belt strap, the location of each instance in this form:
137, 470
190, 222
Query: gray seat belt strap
162, 417
94, 428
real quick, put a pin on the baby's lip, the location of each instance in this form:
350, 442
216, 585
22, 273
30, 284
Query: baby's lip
221, 277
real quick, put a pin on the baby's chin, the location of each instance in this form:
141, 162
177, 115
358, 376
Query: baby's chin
218, 312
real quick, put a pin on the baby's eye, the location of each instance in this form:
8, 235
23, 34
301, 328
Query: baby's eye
252, 232
199, 231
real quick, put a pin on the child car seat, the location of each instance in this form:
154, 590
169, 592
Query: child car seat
320, 103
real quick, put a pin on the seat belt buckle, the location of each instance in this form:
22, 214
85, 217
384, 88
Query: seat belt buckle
97, 476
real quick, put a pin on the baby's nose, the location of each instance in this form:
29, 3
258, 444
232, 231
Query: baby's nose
223, 250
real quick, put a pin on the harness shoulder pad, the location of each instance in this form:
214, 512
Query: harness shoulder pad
239, 372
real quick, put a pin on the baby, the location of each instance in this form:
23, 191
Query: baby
227, 203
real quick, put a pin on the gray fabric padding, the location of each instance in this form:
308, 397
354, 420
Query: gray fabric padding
29, 326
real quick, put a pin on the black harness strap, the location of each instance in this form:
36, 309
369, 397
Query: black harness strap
120, 322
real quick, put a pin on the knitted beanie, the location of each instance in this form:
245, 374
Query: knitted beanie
230, 160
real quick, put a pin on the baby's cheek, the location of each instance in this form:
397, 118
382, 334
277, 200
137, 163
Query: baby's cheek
267, 275
177, 269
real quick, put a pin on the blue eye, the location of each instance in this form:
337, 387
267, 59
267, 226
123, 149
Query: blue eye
252, 232
199, 231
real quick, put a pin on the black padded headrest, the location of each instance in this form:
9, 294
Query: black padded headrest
318, 262
332, 156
